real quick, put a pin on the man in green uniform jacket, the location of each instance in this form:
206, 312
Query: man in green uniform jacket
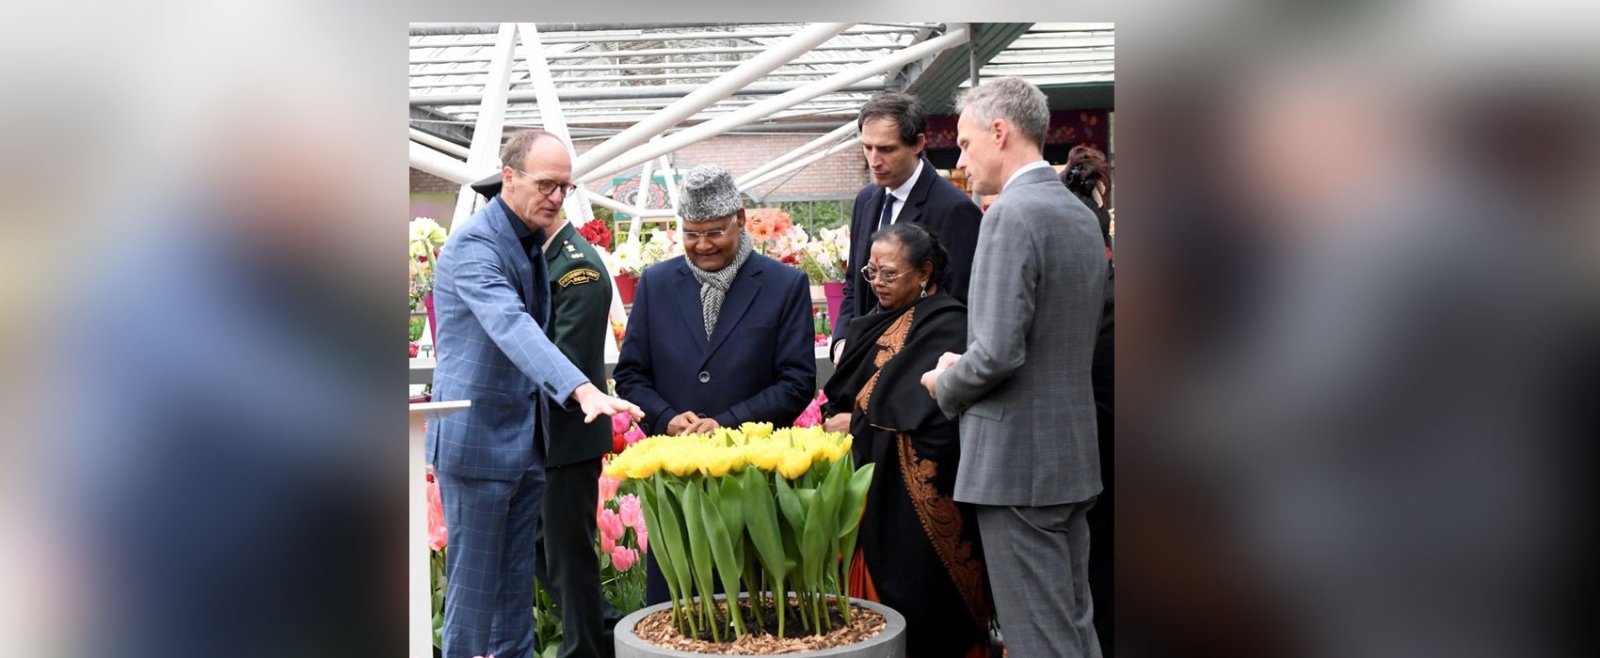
580, 293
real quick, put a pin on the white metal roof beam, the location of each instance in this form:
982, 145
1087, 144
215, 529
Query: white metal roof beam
1055, 57
532, 55
753, 183
706, 96
434, 29
724, 65
662, 52
650, 91
484, 154
838, 133
1039, 42
441, 165
769, 106
702, 64
673, 36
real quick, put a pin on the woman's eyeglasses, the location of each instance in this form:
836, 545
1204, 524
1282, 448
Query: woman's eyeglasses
872, 274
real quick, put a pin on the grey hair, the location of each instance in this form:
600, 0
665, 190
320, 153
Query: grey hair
1017, 101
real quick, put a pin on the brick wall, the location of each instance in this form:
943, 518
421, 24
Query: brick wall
423, 182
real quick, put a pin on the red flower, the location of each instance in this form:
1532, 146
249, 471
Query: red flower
414, 349
596, 233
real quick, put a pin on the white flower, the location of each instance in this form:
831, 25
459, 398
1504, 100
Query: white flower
425, 230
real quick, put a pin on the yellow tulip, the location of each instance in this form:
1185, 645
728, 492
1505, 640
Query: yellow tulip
716, 462
795, 464
642, 466
756, 429
678, 462
765, 456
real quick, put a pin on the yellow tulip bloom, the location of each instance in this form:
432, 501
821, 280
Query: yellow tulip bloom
795, 464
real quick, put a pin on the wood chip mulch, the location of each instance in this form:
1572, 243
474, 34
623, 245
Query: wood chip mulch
864, 624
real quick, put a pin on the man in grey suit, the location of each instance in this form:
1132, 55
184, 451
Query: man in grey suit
1029, 457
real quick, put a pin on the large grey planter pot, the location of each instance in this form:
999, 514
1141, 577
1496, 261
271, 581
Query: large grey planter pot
888, 643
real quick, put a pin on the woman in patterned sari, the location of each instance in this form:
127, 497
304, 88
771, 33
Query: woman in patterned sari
919, 550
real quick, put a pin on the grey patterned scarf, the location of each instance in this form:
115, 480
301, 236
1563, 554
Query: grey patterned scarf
714, 285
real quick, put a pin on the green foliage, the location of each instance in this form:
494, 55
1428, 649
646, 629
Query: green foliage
817, 215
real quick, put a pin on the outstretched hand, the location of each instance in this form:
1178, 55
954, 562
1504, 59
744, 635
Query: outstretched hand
596, 404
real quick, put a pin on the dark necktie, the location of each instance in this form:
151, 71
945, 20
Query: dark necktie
888, 210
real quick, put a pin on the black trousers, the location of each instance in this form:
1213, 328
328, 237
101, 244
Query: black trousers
567, 564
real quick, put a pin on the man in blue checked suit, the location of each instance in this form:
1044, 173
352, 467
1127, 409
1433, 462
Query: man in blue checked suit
492, 298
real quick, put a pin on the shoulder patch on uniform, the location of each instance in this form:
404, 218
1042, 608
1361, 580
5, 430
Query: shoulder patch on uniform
578, 276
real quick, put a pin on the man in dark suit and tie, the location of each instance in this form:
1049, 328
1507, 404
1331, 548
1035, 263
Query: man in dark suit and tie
1030, 459
905, 188
492, 297
719, 336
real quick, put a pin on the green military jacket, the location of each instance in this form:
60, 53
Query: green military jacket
580, 293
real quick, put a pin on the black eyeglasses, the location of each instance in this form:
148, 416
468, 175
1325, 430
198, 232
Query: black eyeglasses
871, 274
547, 187
693, 236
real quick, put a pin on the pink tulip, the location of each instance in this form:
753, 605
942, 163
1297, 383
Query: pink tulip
644, 539
607, 544
813, 414
629, 511
633, 436
610, 525
623, 558
621, 422
436, 528
608, 488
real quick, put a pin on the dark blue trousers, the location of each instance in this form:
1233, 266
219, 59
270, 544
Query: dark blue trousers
488, 607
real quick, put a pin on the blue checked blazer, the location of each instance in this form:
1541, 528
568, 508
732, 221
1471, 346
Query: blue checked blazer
492, 302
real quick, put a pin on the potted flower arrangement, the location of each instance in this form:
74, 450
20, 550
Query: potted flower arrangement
775, 513
774, 234
632, 257
824, 260
427, 238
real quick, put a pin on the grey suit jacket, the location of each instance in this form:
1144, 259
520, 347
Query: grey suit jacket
1022, 389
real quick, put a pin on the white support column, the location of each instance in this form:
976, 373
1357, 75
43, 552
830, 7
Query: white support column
641, 202
764, 178
531, 52
836, 134
669, 174
705, 96
484, 153
769, 106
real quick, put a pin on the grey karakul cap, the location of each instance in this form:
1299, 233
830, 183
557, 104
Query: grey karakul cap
708, 193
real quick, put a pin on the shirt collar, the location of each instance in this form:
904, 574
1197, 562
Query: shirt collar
1027, 167
900, 193
520, 229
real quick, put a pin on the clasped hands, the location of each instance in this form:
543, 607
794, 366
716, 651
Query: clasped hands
689, 422
930, 379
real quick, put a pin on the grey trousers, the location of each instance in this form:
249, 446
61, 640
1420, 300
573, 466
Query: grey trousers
1038, 561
